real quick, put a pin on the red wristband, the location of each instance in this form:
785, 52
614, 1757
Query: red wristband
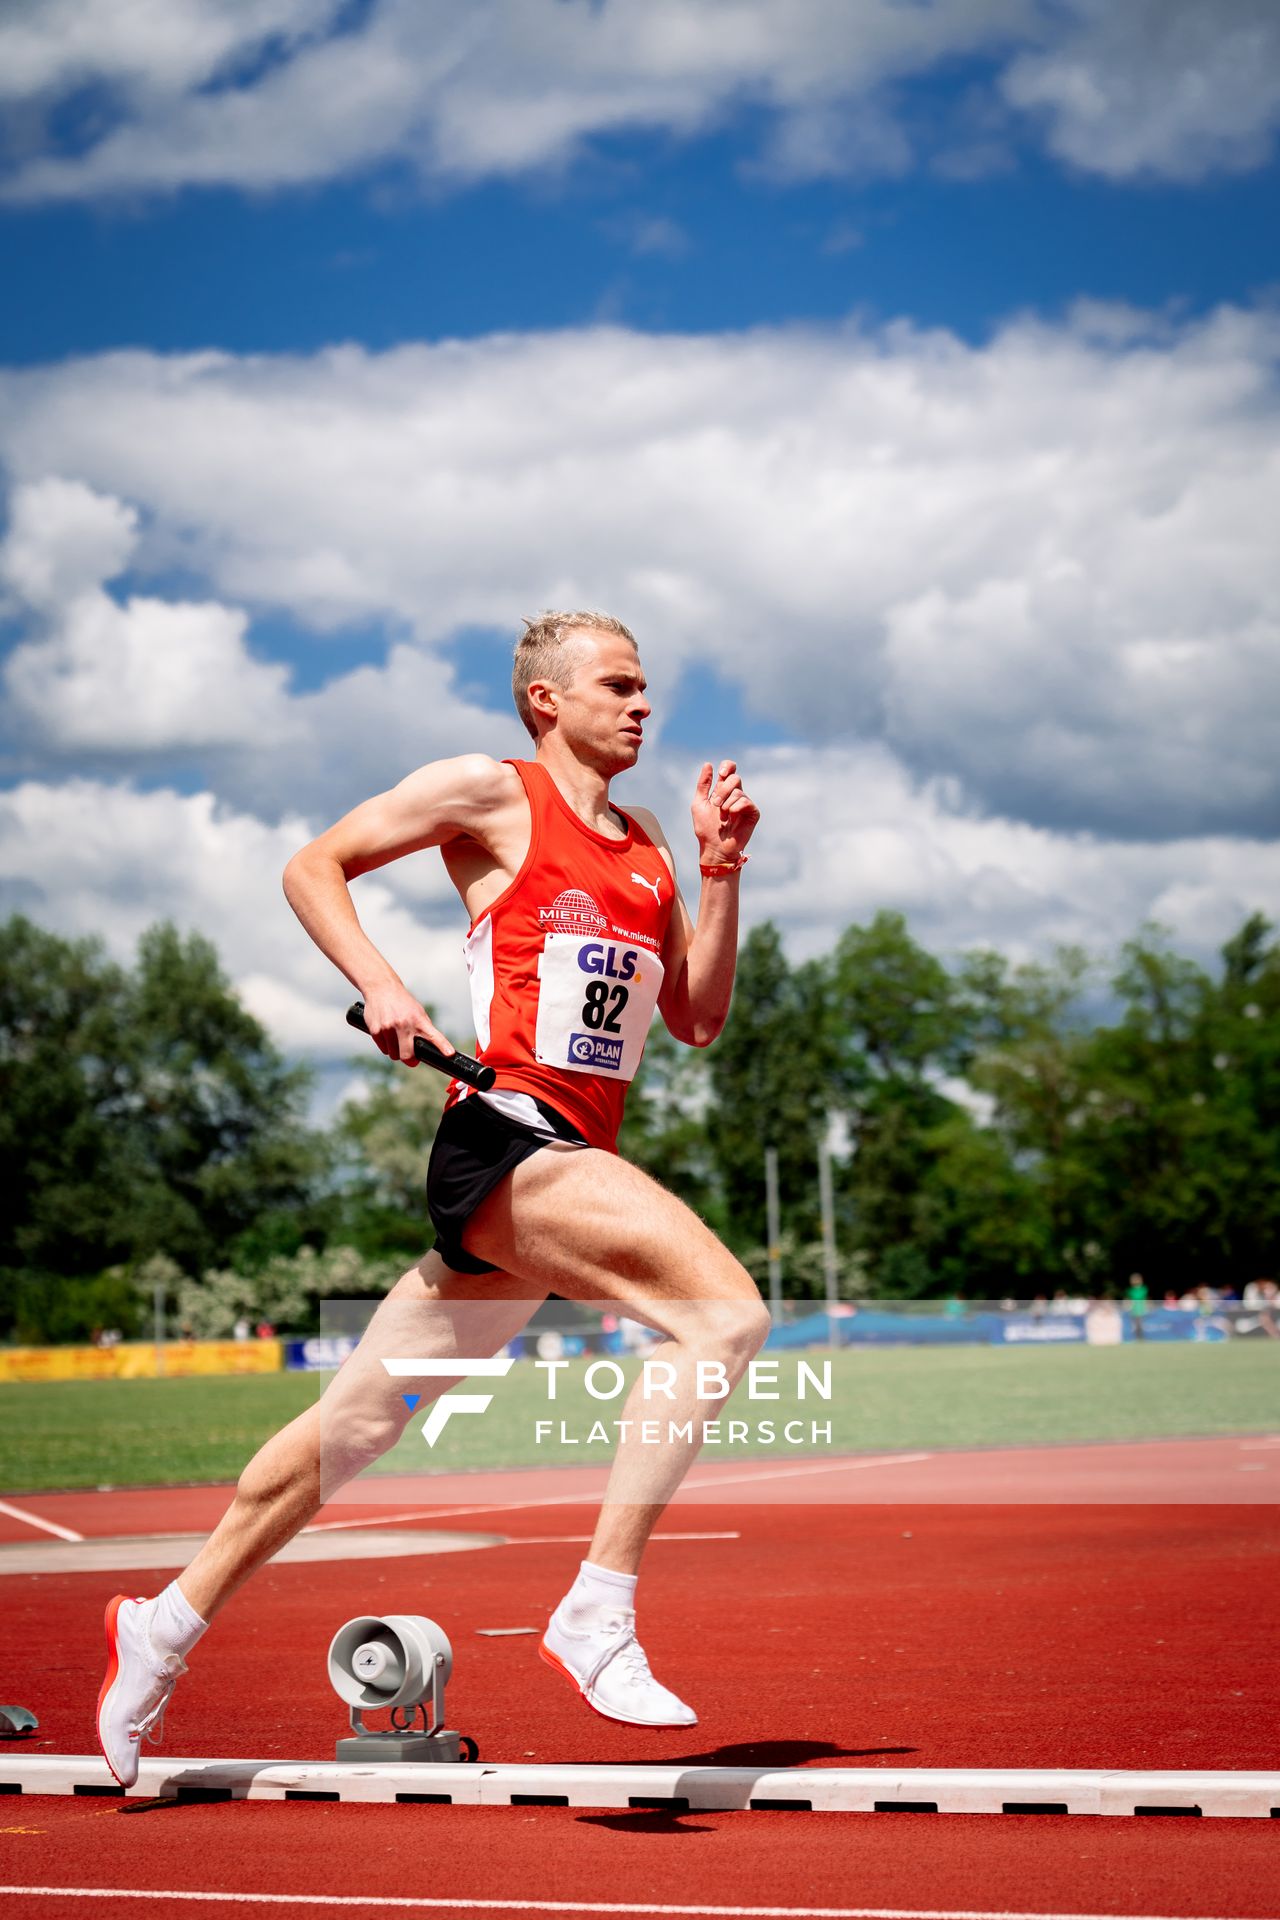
740, 862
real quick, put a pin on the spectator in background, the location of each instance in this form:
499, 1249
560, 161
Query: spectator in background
240, 1331
1136, 1299
265, 1330
1264, 1297
1104, 1323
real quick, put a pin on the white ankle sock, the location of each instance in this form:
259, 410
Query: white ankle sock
175, 1625
596, 1587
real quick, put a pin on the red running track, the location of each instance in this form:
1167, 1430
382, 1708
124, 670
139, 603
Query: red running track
1232, 1470
941, 1636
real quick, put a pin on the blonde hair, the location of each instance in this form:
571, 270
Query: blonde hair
546, 651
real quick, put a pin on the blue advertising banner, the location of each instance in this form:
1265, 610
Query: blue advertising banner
321, 1353
1105, 1324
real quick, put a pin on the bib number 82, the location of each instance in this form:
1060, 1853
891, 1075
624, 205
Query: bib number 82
603, 1007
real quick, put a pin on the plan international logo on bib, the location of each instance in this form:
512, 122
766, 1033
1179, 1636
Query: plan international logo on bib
572, 912
592, 1050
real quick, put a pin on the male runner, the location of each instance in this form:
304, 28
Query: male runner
577, 930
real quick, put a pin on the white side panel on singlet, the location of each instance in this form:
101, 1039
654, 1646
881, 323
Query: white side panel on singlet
479, 952
521, 1107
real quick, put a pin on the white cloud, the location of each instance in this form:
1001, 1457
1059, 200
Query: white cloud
149, 47
364, 730
88, 857
844, 833
148, 674
277, 93
1044, 566
64, 540
499, 87
1054, 555
1170, 89
651, 234
142, 676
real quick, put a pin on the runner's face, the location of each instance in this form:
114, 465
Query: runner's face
603, 709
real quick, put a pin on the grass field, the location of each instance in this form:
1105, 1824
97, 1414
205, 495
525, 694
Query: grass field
160, 1432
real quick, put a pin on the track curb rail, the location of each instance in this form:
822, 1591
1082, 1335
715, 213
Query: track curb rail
674, 1788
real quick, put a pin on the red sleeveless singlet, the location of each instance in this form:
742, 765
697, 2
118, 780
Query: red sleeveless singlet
565, 965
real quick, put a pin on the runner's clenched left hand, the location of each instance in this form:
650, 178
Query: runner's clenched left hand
724, 818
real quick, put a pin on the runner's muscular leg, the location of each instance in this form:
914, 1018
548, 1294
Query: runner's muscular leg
430, 1312
598, 1229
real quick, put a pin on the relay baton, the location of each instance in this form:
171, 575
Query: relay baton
460, 1066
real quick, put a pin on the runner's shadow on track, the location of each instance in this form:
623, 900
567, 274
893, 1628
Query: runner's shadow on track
766, 1755
642, 1822
769, 1754
155, 1806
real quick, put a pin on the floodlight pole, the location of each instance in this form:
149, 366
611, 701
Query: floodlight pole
828, 1238
157, 1296
774, 1231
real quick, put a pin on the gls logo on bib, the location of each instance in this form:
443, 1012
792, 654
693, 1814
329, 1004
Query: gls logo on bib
614, 962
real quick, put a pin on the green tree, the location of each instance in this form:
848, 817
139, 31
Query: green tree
214, 1112
771, 1075
981, 1222
65, 1165
1180, 1137
664, 1128
1029, 1045
898, 1013
899, 1029
142, 1112
383, 1137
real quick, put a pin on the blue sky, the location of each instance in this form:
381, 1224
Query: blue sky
660, 234
905, 374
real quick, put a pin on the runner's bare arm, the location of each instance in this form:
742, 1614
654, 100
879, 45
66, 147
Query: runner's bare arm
435, 804
699, 961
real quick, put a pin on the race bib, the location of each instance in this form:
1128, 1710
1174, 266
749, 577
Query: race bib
595, 1001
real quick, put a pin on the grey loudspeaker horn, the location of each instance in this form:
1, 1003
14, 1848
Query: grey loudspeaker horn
400, 1663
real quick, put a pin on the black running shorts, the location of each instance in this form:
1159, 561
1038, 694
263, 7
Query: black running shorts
476, 1147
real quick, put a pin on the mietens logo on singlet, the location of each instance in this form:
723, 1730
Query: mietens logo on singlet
572, 912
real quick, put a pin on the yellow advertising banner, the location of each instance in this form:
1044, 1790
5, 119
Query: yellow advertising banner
141, 1360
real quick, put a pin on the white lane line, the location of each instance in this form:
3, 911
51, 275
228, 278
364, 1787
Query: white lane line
34, 1520
411, 1903
576, 1539
593, 1499
823, 1466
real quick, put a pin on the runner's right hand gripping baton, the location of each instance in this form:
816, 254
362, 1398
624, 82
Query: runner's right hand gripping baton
460, 1066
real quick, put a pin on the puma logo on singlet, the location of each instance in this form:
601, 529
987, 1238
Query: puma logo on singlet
653, 886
